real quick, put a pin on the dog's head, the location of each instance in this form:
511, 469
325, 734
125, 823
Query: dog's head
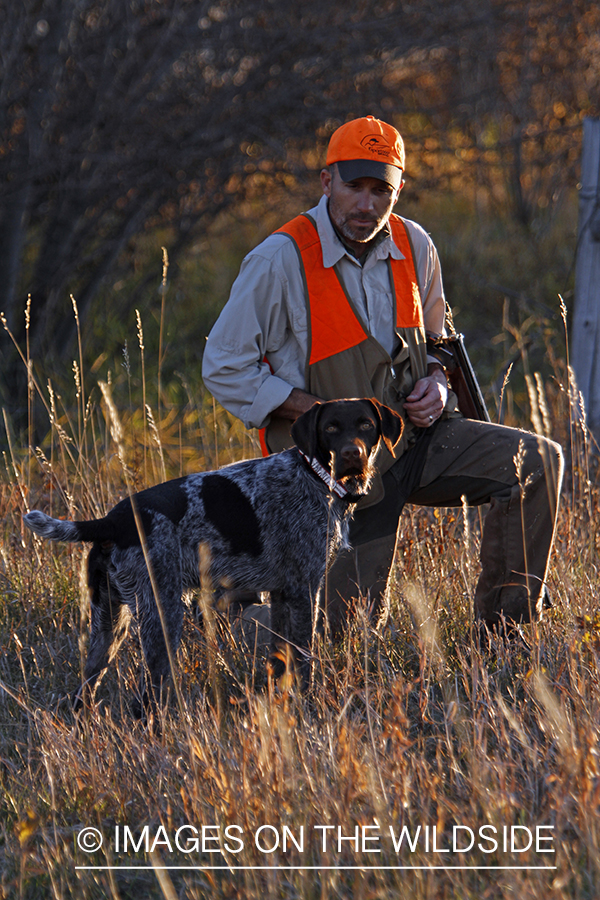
344, 435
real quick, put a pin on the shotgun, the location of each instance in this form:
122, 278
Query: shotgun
452, 355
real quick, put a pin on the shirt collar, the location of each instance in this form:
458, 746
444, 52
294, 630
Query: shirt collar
334, 250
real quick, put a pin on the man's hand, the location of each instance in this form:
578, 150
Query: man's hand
428, 398
297, 403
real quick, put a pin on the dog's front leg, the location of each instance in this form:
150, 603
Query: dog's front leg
291, 620
280, 627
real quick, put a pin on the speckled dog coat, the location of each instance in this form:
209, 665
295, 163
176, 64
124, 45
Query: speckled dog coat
272, 524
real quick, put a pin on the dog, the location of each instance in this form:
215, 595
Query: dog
273, 524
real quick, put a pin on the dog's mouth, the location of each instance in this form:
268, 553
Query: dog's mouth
350, 471
359, 467
356, 479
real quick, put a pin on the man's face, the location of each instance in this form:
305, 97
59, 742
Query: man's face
359, 209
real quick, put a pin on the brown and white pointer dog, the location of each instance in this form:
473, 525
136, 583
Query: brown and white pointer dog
272, 524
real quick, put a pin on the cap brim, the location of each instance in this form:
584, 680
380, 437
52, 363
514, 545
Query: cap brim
350, 169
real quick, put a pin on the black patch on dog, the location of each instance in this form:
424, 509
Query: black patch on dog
230, 511
119, 526
169, 499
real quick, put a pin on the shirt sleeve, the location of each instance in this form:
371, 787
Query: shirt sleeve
429, 275
254, 321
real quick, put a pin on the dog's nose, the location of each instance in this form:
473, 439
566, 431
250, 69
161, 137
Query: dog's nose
352, 453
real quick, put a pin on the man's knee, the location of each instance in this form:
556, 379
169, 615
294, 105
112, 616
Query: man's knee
543, 447
540, 459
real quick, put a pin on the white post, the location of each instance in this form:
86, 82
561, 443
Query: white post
585, 339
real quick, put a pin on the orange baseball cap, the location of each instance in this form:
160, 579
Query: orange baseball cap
367, 147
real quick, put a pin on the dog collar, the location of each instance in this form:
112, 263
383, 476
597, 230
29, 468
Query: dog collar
325, 476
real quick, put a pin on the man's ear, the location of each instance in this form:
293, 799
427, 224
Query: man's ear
398, 190
326, 179
304, 430
390, 424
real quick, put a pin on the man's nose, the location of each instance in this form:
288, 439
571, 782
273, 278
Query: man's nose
365, 201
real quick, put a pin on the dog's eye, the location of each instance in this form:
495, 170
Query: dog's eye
331, 429
366, 426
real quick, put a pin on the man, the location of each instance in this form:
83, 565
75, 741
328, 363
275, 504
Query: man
338, 303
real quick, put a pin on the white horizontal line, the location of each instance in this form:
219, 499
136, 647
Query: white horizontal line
312, 868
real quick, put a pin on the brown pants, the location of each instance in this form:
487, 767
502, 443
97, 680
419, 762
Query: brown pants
518, 473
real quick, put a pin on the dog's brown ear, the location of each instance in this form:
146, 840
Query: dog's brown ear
390, 422
304, 430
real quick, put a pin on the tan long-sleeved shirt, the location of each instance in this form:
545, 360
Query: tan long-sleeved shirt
266, 315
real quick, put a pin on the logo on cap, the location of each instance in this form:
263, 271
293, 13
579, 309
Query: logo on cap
376, 145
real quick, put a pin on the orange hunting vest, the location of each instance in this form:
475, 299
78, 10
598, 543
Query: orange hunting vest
343, 359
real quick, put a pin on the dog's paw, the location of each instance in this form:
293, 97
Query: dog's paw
276, 667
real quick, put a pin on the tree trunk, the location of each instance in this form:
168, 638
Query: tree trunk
585, 342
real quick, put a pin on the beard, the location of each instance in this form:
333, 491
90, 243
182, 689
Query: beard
361, 234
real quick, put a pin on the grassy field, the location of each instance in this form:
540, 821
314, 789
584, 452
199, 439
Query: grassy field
417, 767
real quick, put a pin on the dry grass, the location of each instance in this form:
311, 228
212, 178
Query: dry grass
407, 725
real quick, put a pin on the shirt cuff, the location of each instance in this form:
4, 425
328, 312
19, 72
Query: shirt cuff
271, 394
433, 359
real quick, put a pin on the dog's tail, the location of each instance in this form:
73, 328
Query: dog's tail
60, 530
